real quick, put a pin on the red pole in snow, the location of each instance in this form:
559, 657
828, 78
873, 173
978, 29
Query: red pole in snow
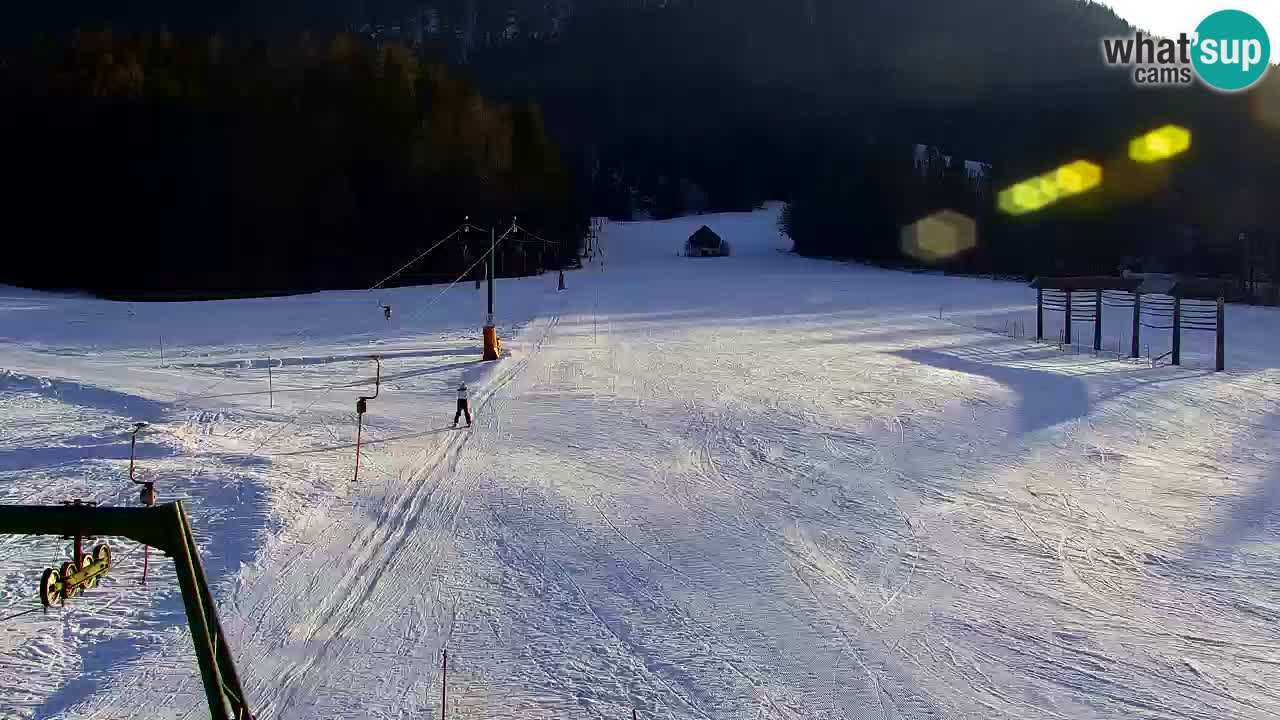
444, 671
359, 433
633, 714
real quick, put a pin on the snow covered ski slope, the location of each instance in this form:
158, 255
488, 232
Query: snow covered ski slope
749, 487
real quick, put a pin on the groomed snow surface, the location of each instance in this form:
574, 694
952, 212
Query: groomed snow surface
752, 487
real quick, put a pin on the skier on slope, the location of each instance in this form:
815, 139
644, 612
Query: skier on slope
463, 406
386, 312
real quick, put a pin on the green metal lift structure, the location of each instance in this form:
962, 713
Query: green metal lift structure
166, 528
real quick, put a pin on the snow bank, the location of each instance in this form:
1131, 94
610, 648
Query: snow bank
755, 486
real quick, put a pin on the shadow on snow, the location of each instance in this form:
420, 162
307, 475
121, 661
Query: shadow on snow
1045, 398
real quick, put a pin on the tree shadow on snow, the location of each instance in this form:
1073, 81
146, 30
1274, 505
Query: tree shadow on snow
262, 363
31, 458
1247, 517
362, 382
90, 396
228, 509
902, 336
366, 443
1045, 399
228, 513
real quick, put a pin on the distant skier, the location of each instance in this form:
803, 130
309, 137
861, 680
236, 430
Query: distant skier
463, 407
386, 312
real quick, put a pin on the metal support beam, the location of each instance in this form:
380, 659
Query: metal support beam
493, 250
492, 346
1097, 322
1039, 314
199, 606
1221, 345
1177, 330
143, 525
164, 527
1068, 317
1134, 352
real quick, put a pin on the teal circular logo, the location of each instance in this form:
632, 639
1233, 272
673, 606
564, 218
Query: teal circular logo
1232, 51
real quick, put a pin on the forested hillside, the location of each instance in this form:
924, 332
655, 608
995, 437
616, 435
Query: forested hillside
675, 106
196, 163
822, 103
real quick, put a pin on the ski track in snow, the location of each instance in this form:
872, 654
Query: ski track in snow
754, 487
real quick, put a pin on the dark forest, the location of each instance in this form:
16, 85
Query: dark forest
342, 139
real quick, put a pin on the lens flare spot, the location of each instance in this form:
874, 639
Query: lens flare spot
1080, 176
940, 236
1030, 195
1160, 145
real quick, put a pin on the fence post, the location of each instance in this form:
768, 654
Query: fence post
1177, 330
271, 385
1134, 352
1039, 314
1222, 334
444, 673
1097, 322
1068, 311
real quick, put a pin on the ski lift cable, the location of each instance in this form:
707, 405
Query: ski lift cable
463, 276
538, 238
425, 253
303, 336
18, 615
327, 391
280, 429
306, 334
299, 338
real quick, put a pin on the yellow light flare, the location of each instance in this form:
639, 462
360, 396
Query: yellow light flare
1028, 197
1159, 145
1040, 192
1080, 176
1007, 201
1047, 186
940, 236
